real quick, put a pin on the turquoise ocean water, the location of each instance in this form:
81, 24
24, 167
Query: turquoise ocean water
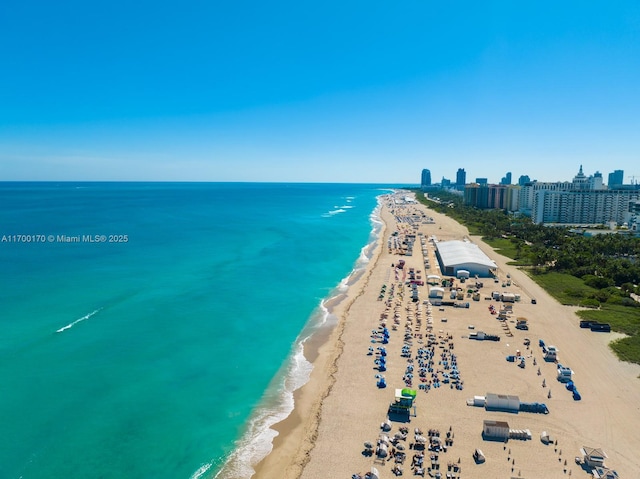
166, 350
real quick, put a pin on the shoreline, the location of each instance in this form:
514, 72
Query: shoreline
328, 421
295, 437
268, 426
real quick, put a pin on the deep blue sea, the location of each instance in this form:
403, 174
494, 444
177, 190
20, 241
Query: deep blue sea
153, 330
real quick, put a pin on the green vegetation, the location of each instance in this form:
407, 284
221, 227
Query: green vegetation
598, 272
510, 249
622, 319
627, 349
567, 289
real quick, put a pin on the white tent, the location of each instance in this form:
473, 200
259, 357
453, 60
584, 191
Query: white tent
545, 438
436, 292
462, 255
502, 402
495, 429
462, 273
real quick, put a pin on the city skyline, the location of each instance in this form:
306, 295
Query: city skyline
356, 92
615, 177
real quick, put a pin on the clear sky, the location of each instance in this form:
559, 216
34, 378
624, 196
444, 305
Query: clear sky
347, 91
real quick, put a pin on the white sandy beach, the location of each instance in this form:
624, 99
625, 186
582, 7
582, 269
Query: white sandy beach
341, 407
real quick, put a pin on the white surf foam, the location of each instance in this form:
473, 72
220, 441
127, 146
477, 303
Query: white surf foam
257, 442
334, 212
72, 324
201, 471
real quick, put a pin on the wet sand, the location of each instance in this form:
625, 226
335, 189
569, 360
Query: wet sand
341, 407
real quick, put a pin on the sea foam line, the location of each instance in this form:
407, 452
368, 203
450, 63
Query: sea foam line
201, 471
334, 212
71, 325
257, 442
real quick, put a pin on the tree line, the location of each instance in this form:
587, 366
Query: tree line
608, 262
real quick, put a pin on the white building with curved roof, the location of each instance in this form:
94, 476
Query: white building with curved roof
462, 255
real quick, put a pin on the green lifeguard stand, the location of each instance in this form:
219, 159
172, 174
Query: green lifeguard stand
404, 402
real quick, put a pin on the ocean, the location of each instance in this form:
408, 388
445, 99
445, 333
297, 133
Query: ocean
156, 329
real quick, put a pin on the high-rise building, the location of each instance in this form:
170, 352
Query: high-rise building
504, 197
583, 206
461, 177
580, 182
506, 179
616, 179
426, 178
482, 181
477, 194
596, 182
584, 200
523, 180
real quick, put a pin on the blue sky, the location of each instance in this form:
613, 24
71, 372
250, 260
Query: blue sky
327, 91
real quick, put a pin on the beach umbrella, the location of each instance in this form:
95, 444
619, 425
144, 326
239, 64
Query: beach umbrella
374, 473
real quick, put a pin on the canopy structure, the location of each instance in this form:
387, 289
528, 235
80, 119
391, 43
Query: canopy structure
502, 402
436, 292
433, 279
405, 397
404, 401
455, 256
462, 273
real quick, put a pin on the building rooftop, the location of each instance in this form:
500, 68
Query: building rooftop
461, 252
593, 452
496, 423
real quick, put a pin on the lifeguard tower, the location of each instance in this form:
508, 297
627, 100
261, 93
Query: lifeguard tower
404, 403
